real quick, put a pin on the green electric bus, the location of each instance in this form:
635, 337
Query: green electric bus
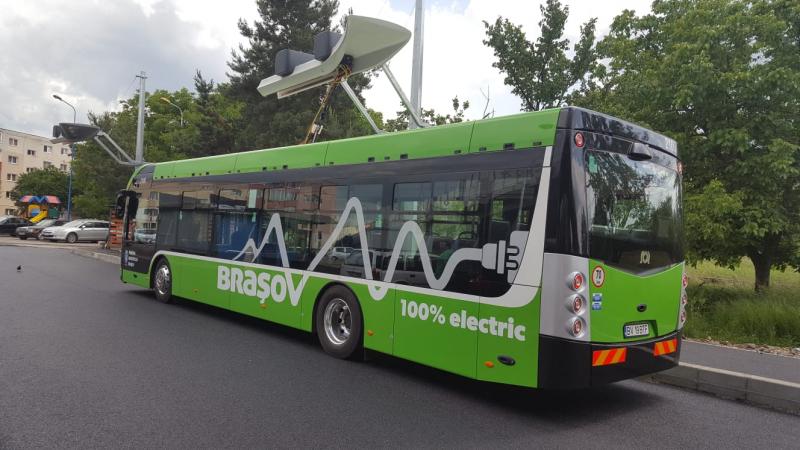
542, 249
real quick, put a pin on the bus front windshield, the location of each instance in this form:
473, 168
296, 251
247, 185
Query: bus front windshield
634, 211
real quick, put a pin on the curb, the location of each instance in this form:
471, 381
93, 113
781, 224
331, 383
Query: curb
105, 257
752, 389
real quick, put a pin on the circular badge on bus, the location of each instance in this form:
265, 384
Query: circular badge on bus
598, 276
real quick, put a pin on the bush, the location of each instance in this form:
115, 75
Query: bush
722, 309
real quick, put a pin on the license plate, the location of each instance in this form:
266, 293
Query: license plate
636, 330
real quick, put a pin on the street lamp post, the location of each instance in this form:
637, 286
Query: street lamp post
167, 101
71, 159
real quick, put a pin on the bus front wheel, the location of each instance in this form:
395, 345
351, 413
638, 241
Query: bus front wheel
162, 282
338, 322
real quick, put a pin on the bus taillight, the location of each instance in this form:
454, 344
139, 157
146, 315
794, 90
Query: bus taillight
575, 281
579, 140
576, 303
576, 326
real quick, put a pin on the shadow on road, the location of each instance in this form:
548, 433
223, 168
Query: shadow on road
562, 406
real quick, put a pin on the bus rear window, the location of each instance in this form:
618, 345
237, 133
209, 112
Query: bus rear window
635, 220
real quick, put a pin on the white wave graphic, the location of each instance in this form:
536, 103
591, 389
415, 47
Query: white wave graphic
500, 257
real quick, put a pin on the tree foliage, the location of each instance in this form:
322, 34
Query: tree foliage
47, 181
430, 116
540, 72
269, 122
723, 78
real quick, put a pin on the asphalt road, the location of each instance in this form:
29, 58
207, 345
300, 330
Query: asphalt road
86, 361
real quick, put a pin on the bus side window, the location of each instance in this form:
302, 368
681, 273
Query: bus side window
236, 222
511, 203
169, 204
296, 205
194, 227
455, 225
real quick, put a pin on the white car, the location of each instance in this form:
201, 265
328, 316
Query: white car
78, 230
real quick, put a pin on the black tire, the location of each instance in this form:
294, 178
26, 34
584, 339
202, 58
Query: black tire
162, 281
23, 237
342, 336
72, 238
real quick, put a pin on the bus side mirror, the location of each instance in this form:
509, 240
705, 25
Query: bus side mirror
119, 206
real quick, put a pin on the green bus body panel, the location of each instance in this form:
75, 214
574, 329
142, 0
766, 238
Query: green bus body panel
310, 155
196, 279
521, 130
378, 316
428, 342
622, 292
525, 371
162, 170
211, 165
136, 278
421, 143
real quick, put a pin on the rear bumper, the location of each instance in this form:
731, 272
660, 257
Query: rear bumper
565, 364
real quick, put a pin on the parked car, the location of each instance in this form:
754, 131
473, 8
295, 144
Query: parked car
78, 230
34, 230
9, 224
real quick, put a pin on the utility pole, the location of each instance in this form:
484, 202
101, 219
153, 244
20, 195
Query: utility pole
416, 62
139, 156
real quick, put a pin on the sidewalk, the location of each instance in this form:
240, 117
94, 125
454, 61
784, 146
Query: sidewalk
762, 379
740, 360
109, 256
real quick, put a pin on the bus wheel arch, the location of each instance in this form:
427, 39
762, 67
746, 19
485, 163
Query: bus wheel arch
338, 321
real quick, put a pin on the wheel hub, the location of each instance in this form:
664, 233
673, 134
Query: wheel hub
338, 321
163, 280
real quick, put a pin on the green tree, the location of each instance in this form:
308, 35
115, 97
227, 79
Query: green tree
723, 78
47, 181
269, 122
430, 116
96, 177
217, 119
540, 72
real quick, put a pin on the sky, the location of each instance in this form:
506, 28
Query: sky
89, 51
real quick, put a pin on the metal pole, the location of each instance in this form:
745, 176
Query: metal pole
167, 101
414, 116
360, 107
139, 157
69, 185
416, 62
71, 158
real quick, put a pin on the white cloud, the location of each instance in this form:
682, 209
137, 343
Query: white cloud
89, 52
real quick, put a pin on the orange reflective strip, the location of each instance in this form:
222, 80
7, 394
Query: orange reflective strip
619, 356
599, 357
606, 357
665, 347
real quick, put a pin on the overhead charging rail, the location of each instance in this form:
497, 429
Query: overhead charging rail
367, 43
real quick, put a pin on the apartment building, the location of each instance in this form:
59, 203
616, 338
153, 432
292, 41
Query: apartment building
21, 153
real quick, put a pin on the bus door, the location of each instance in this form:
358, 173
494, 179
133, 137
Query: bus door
139, 235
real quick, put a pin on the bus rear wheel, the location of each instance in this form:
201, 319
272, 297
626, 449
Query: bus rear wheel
338, 322
162, 282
